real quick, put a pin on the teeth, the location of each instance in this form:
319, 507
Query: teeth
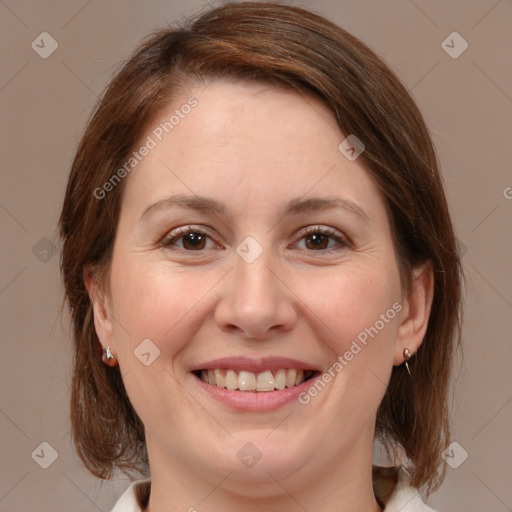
220, 380
291, 376
231, 380
249, 381
246, 381
280, 379
265, 382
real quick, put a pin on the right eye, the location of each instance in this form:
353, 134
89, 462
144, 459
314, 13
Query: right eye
192, 238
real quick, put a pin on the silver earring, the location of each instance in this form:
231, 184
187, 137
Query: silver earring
407, 356
108, 358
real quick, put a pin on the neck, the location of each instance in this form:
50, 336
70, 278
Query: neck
344, 486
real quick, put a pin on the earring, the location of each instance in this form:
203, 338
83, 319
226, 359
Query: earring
108, 358
407, 356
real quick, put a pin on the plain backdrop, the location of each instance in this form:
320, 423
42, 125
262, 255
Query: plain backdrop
466, 99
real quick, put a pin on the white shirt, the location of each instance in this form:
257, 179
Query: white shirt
403, 498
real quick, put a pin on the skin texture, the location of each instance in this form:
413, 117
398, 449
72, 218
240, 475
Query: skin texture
254, 148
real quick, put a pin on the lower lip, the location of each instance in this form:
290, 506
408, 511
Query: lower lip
250, 401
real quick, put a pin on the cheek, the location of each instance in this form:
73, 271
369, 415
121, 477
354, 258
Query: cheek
361, 309
157, 302
354, 300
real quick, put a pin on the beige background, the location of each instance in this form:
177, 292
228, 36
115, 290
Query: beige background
467, 103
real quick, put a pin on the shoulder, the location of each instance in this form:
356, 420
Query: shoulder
135, 498
392, 489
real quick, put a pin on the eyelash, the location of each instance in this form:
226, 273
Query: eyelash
173, 236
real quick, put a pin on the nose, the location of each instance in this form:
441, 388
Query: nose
256, 301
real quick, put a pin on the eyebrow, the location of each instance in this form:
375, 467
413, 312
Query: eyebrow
294, 207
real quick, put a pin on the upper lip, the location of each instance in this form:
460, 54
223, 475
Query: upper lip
255, 365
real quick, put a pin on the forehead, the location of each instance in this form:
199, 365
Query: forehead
247, 138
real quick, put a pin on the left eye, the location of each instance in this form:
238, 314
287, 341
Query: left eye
195, 239
318, 238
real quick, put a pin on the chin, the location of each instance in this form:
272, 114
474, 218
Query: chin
255, 460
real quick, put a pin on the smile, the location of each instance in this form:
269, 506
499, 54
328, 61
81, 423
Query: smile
265, 381
254, 385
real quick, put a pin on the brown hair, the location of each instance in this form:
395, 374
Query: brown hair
288, 47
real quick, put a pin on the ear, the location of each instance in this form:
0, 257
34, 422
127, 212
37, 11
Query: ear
103, 323
415, 313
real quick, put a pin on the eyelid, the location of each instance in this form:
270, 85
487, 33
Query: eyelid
322, 229
342, 240
333, 233
177, 233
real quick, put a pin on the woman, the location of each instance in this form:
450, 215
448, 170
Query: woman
262, 273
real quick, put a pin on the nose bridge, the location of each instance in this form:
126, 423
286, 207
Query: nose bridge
254, 300
253, 278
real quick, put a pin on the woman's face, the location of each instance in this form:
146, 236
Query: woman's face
249, 245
